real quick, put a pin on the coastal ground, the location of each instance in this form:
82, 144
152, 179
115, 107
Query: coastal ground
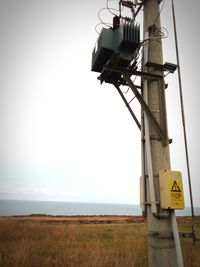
85, 241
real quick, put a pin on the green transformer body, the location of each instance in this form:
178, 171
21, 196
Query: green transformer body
116, 46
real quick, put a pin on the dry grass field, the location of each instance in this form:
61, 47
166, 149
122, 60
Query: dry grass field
43, 241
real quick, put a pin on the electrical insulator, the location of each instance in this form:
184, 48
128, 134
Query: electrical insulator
116, 22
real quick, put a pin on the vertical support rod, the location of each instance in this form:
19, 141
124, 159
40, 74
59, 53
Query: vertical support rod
147, 139
151, 186
183, 123
176, 239
143, 188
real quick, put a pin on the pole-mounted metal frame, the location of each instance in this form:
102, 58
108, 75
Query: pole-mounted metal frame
126, 81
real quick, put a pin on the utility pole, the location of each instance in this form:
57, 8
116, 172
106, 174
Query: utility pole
115, 56
163, 239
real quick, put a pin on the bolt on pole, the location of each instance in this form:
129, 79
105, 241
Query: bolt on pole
163, 244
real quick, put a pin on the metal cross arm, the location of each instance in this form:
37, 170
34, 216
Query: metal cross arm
127, 80
130, 72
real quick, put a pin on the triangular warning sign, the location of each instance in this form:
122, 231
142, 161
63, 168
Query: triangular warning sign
175, 187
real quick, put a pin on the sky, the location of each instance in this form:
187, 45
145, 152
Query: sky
65, 137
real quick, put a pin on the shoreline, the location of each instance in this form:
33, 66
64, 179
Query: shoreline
86, 219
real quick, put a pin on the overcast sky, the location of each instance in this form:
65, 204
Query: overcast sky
63, 135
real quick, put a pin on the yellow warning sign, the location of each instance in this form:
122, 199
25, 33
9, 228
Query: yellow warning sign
171, 190
176, 192
175, 187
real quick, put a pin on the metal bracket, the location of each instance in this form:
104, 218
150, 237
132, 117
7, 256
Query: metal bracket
155, 138
186, 234
145, 107
160, 235
126, 80
189, 235
130, 72
165, 67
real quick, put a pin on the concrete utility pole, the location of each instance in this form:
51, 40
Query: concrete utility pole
113, 58
163, 239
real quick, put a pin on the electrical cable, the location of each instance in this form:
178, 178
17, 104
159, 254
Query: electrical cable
109, 9
132, 81
167, 74
96, 28
159, 12
157, 37
138, 64
138, 55
184, 127
104, 23
131, 99
99, 31
164, 32
107, 24
126, 91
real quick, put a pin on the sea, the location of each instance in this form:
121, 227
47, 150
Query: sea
24, 207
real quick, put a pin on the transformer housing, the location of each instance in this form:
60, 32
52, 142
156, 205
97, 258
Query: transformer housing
117, 46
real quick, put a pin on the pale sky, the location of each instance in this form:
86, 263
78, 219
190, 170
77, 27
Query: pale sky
63, 135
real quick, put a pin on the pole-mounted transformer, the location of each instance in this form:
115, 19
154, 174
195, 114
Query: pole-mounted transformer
116, 46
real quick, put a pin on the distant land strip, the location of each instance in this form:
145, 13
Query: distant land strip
80, 219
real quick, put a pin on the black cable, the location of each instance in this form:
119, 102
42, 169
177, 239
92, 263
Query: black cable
159, 12
126, 91
131, 99
184, 126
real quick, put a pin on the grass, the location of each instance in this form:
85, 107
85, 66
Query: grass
26, 243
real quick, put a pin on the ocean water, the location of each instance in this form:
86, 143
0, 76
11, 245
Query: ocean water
22, 207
